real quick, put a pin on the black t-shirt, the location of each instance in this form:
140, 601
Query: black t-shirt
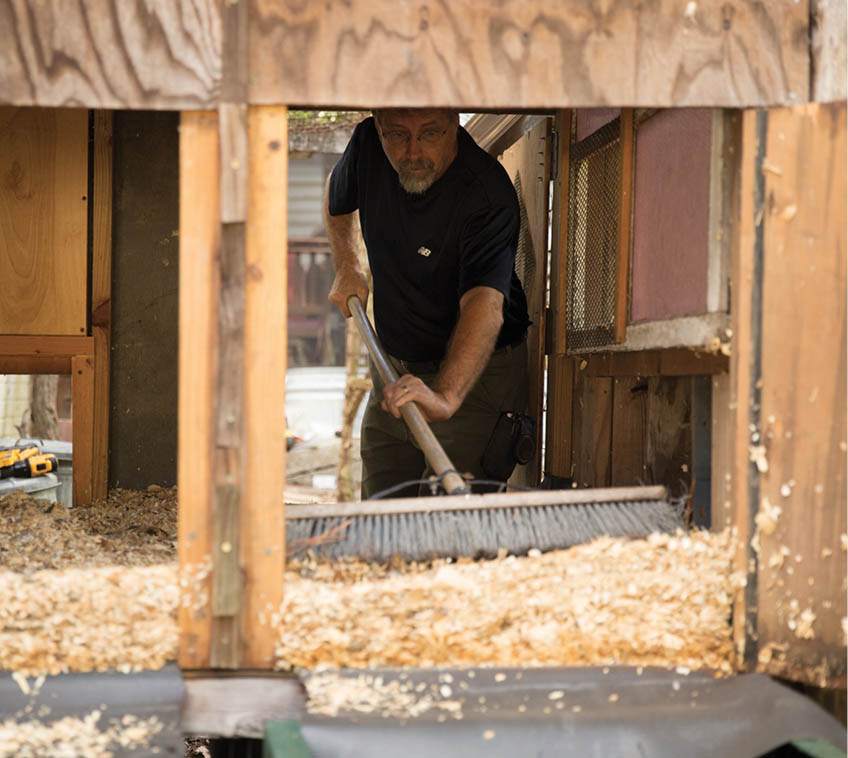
425, 251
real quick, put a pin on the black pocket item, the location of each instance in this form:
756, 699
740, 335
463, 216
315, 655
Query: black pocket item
513, 441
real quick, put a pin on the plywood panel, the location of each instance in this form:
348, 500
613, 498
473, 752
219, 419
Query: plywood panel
43, 221
803, 419
670, 215
528, 165
109, 54
531, 53
830, 63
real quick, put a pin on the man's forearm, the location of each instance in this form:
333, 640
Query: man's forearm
471, 345
344, 238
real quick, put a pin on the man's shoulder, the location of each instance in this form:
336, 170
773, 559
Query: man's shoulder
484, 174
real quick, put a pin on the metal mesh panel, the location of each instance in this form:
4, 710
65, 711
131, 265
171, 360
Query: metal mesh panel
593, 208
525, 258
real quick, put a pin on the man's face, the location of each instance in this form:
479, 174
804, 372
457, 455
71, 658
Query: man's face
420, 144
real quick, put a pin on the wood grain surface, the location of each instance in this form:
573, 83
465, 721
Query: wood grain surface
109, 54
532, 53
43, 220
803, 417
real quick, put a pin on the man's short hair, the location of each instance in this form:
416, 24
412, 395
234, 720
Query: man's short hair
378, 113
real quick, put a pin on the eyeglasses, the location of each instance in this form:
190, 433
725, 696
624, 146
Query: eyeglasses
396, 138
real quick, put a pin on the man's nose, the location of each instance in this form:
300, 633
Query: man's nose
413, 148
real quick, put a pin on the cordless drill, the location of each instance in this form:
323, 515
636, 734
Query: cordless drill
34, 465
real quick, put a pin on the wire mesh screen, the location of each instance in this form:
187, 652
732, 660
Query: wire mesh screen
593, 209
525, 256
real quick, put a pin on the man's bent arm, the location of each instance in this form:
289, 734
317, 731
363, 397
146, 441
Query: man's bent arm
343, 235
471, 345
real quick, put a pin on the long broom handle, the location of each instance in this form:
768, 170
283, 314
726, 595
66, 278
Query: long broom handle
453, 483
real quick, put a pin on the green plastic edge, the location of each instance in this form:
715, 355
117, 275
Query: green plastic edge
819, 748
284, 740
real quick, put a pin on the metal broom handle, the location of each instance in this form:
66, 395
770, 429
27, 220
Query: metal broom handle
453, 483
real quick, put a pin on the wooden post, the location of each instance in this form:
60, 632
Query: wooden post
82, 399
198, 344
788, 373
262, 521
101, 295
625, 223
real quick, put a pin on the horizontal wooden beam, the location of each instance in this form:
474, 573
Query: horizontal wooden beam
45, 347
508, 54
681, 362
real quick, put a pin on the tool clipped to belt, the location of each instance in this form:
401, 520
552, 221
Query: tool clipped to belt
31, 466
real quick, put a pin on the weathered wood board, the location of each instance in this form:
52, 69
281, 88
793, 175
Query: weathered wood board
43, 221
518, 53
801, 562
532, 53
108, 54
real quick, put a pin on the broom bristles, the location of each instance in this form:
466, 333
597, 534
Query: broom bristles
480, 533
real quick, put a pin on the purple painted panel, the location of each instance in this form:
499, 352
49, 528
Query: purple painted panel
670, 215
589, 120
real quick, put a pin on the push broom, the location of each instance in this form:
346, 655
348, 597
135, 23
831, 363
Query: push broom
461, 524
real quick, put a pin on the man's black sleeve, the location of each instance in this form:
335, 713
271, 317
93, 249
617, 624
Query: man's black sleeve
344, 184
488, 250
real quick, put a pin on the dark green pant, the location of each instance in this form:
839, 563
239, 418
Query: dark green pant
390, 455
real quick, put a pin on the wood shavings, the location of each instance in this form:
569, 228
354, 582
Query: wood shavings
88, 588
76, 736
767, 517
568, 607
52, 622
127, 528
757, 455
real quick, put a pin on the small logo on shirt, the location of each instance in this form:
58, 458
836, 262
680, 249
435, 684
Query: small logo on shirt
425, 251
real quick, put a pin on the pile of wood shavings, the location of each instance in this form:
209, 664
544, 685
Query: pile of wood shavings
76, 737
127, 528
88, 588
53, 622
662, 601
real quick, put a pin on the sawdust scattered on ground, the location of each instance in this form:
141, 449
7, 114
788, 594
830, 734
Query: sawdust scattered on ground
73, 737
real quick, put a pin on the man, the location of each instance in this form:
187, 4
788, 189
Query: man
440, 221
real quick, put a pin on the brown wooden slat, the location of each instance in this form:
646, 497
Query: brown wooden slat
628, 431
672, 362
101, 294
198, 339
35, 364
558, 435
528, 54
559, 236
625, 225
38, 346
262, 526
592, 424
82, 392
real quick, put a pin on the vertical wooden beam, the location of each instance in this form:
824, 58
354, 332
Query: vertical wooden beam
559, 241
198, 344
625, 225
744, 372
263, 512
82, 400
560, 375
101, 295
